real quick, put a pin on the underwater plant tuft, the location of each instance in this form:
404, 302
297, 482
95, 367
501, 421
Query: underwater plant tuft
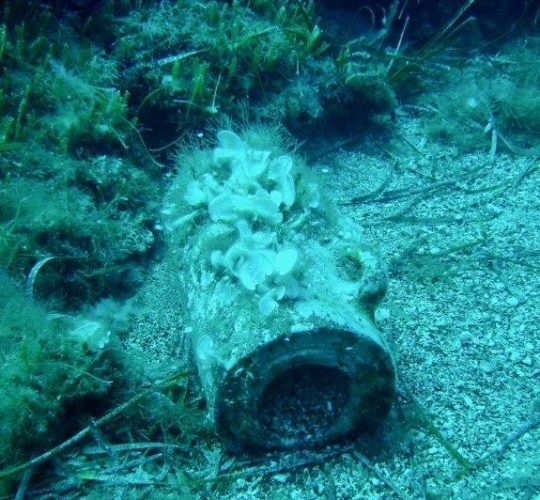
51, 365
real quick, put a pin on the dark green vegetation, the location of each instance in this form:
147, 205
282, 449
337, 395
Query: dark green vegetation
52, 366
72, 183
189, 62
61, 373
93, 101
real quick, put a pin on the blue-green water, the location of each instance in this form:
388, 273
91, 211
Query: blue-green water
409, 131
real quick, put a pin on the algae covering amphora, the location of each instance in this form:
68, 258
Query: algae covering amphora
280, 296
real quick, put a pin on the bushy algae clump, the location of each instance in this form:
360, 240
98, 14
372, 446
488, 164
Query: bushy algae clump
491, 103
71, 188
51, 366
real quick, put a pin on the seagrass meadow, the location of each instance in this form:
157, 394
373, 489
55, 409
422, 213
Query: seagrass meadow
270, 249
